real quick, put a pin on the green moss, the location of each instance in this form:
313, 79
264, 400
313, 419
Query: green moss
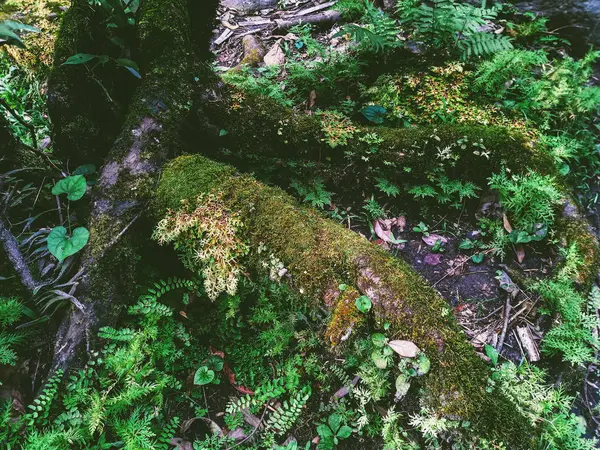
319, 253
261, 130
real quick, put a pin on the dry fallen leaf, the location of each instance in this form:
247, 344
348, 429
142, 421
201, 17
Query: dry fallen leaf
520, 251
275, 56
507, 226
433, 238
406, 349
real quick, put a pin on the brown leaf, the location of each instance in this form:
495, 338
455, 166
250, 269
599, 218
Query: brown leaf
507, 226
406, 349
183, 314
400, 222
520, 251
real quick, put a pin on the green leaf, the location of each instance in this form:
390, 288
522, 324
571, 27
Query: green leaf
215, 363
334, 422
324, 431
374, 113
492, 353
86, 169
467, 244
477, 258
130, 65
379, 339
423, 364
402, 386
203, 376
344, 432
223, 132
363, 304
7, 32
379, 359
79, 58
62, 246
74, 186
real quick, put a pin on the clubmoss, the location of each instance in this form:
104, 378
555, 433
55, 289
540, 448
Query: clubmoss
319, 253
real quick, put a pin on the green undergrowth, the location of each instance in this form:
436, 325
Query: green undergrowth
194, 375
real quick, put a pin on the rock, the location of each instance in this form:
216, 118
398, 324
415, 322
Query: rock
249, 6
275, 57
254, 51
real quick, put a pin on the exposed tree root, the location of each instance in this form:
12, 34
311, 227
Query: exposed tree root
150, 136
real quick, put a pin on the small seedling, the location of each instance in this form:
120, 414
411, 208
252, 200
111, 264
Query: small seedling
332, 432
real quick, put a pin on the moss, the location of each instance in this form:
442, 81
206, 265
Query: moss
319, 253
345, 318
260, 130
576, 230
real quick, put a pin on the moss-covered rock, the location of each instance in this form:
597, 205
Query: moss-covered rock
319, 254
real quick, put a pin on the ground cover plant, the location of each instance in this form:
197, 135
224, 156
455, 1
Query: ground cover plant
297, 225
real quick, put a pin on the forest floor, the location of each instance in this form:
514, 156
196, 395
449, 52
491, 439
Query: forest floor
246, 365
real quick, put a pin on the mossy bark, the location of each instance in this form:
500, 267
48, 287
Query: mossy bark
85, 102
149, 137
319, 254
260, 131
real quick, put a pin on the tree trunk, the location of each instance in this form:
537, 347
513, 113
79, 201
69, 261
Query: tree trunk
149, 137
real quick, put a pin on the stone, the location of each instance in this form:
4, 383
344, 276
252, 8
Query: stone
254, 51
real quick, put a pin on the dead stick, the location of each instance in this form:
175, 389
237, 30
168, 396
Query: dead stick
505, 326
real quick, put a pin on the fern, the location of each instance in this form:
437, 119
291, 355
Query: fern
482, 44
136, 432
11, 311
387, 187
40, 409
452, 25
380, 32
169, 432
314, 192
284, 417
121, 335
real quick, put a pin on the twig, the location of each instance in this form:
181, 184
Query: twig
505, 326
254, 430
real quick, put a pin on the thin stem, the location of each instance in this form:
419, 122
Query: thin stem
19, 119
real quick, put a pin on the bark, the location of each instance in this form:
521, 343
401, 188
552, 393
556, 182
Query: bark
260, 131
85, 109
320, 255
149, 137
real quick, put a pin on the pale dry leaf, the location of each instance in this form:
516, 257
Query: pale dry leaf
275, 56
406, 349
507, 226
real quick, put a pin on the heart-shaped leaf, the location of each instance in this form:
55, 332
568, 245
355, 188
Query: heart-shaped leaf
344, 432
379, 339
374, 113
363, 304
63, 246
402, 386
203, 376
74, 186
379, 359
